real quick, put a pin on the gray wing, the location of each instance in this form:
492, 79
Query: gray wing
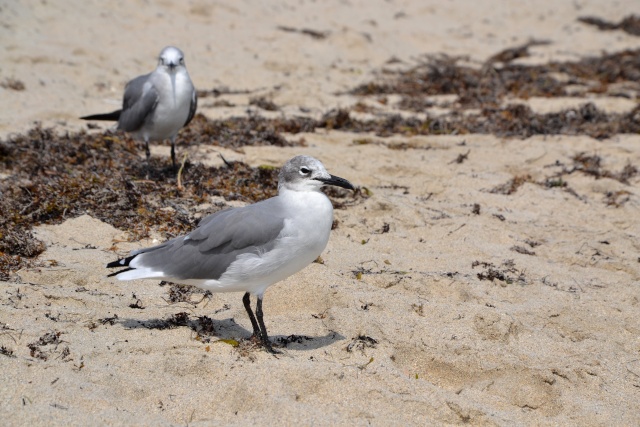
138, 103
207, 252
192, 107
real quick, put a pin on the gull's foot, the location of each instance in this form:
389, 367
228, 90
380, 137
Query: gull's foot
265, 343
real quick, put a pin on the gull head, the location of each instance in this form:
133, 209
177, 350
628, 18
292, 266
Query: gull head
305, 173
171, 58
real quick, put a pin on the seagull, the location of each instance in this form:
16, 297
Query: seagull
157, 105
250, 248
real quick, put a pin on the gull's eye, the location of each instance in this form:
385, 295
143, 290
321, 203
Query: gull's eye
181, 61
305, 171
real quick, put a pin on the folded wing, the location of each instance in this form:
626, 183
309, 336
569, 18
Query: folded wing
207, 252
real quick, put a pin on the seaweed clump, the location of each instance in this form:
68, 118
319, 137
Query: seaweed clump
486, 88
237, 132
515, 120
489, 85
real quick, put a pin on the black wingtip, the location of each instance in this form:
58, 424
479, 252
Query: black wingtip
113, 116
117, 263
122, 262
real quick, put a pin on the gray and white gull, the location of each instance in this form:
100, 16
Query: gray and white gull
157, 105
250, 248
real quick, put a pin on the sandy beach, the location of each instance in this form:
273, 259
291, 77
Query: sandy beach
487, 271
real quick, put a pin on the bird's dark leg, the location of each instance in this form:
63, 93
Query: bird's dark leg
247, 306
147, 152
263, 330
173, 152
259, 330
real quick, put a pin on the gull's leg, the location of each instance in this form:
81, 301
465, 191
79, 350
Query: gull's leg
173, 152
247, 306
146, 149
148, 154
263, 330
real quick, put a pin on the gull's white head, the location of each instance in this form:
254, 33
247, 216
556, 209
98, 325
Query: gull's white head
171, 58
305, 173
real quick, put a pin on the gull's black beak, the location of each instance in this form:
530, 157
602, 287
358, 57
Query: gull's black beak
337, 181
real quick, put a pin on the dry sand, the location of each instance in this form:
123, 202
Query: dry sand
396, 327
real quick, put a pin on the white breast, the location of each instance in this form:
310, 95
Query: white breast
303, 238
173, 106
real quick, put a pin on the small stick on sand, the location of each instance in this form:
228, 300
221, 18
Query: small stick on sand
184, 159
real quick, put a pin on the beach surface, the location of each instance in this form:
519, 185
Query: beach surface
477, 278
